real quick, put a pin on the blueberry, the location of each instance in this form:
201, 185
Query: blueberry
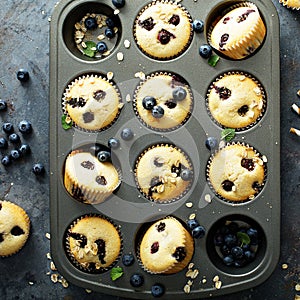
8, 128
219, 239
24, 149
113, 143
249, 255
198, 26
109, 33
211, 143
14, 138
127, 259
136, 280
237, 252
127, 134
192, 224
110, 23
240, 262
149, 102
252, 233
103, 156
3, 143
6, 160
118, 3
225, 250
90, 23
157, 290
15, 154
94, 149
198, 232
186, 174
25, 127
38, 169
228, 260
101, 47
233, 227
157, 112
230, 239
23, 75
3, 105
179, 93
205, 51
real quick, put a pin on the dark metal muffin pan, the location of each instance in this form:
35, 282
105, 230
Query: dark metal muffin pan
127, 207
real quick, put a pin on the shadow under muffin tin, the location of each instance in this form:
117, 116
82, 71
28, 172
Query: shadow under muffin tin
127, 67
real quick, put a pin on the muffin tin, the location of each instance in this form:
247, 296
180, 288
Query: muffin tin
127, 207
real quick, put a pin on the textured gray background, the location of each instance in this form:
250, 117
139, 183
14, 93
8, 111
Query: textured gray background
24, 42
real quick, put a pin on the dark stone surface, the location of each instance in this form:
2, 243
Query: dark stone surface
24, 43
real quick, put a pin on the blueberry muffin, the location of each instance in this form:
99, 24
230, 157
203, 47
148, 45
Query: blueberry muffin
236, 172
293, 4
163, 101
163, 173
166, 247
93, 243
89, 180
14, 228
163, 29
92, 102
236, 100
239, 32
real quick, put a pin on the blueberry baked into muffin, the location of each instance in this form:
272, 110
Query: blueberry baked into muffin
239, 32
163, 101
163, 30
166, 247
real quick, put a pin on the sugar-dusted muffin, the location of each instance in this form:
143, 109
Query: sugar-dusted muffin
163, 29
93, 243
14, 228
163, 173
166, 247
236, 100
239, 32
293, 4
236, 172
163, 101
87, 179
92, 102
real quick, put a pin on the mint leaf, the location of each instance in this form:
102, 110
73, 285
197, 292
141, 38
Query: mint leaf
66, 124
116, 273
244, 238
213, 60
90, 49
227, 134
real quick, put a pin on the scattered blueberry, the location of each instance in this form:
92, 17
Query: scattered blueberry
211, 143
149, 102
38, 169
3, 143
8, 128
113, 143
14, 138
193, 223
127, 134
24, 149
157, 290
103, 156
186, 174
101, 47
90, 23
110, 23
205, 51
15, 154
23, 75
127, 259
25, 127
179, 94
136, 280
198, 232
198, 26
3, 105
109, 33
118, 3
6, 160
158, 112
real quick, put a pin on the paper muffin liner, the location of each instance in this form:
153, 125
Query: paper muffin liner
176, 266
163, 201
89, 268
253, 38
178, 81
290, 4
22, 213
154, 2
263, 160
65, 102
262, 91
84, 194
